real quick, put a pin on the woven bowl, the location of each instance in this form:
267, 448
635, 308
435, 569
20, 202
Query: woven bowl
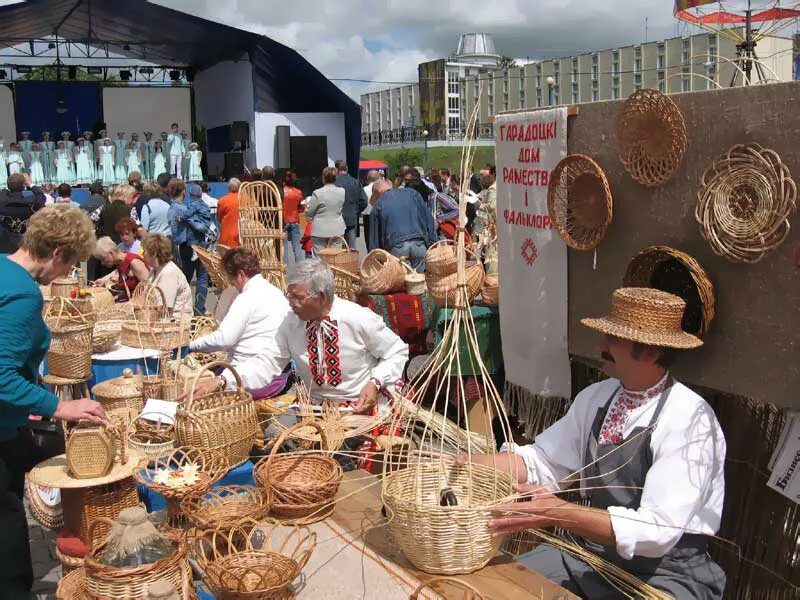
226, 506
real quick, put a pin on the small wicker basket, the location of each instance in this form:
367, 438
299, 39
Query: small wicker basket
151, 439
70, 353
440, 259
225, 506
302, 486
106, 336
444, 290
63, 287
91, 450
122, 397
347, 285
415, 282
382, 273
344, 258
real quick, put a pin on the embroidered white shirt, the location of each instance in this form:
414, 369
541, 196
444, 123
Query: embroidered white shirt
250, 326
367, 349
685, 486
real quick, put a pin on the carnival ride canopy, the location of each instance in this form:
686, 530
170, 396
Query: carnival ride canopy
730, 18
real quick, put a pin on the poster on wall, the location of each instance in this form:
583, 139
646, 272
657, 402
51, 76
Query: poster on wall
532, 260
431, 95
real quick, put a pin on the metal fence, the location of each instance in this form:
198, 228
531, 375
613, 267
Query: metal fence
410, 135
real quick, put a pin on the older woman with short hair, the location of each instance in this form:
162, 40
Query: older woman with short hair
56, 238
167, 275
325, 211
130, 268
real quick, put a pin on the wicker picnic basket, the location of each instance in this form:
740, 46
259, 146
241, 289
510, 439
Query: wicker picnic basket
252, 561
224, 420
303, 486
382, 273
579, 201
744, 203
470, 593
344, 258
673, 271
651, 137
490, 291
347, 285
122, 397
440, 259
104, 581
457, 538
63, 287
151, 439
444, 289
92, 449
70, 352
225, 506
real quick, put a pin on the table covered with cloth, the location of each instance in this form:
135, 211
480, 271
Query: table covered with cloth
487, 328
408, 315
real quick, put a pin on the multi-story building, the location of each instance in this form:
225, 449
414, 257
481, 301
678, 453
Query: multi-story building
684, 64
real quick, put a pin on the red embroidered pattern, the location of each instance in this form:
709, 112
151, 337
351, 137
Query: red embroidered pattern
625, 403
329, 371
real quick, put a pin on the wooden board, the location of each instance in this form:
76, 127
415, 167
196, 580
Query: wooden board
359, 510
753, 345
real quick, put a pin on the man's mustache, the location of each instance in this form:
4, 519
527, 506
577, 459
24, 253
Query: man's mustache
606, 356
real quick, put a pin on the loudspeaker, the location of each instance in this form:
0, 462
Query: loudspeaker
234, 164
240, 132
309, 155
283, 148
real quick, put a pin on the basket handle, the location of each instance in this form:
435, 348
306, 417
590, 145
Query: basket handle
285, 435
217, 363
64, 306
339, 237
122, 440
474, 594
95, 522
161, 308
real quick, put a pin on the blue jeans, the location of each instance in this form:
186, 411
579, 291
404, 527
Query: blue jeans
350, 236
189, 268
415, 250
292, 236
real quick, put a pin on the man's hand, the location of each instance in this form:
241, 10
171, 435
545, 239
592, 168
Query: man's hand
78, 410
367, 399
538, 510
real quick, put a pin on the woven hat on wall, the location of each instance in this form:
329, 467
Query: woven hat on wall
673, 271
579, 201
651, 137
744, 203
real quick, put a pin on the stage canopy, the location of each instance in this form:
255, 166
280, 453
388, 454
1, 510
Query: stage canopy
283, 81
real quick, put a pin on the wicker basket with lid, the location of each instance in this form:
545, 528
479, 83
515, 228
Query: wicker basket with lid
122, 397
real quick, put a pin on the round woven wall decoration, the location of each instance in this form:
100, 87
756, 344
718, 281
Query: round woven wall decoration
673, 271
579, 201
744, 203
651, 137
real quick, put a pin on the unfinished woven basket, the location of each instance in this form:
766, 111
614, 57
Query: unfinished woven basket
225, 506
440, 259
224, 420
70, 352
457, 538
444, 290
382, 273
302, 486
744, 203
651, 137
673, 271
253, 562
579, 201
344, 258
347, 285
470, 593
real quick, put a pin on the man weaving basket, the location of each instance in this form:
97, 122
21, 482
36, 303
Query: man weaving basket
343, 352
645, 451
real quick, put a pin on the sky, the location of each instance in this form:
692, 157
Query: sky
385, 40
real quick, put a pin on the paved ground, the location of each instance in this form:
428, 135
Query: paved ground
46, 568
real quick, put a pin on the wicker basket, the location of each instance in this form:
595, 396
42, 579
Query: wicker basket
91, 450
344, 258
251, 563
382, 273
347, 285
470, 593
444, 290
70, 353
85, 505
490, 291
63, 287
302, 487
105, 581
457, 538
68, 565
151, 439
159, 335
440, 259
116, 312
226, 506
201, 326
44, 504
224, 420
73, 584
579, 202
122, 397
213, 264
106, 336
100, 298
673, 271
415, 282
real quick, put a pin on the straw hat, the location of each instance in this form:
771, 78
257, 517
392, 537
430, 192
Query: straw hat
647, 316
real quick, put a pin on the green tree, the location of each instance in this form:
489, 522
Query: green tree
506, 62
405, 156
50, 73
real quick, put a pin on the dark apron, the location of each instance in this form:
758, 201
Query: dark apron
618, 476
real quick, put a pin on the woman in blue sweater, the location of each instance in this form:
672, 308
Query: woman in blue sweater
56, 238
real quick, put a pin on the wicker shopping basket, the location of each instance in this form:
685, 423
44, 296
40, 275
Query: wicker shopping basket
344, 258
70, 353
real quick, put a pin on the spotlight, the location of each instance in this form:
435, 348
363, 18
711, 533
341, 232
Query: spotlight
175, 75
125, 75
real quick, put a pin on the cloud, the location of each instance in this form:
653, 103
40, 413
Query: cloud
384, 40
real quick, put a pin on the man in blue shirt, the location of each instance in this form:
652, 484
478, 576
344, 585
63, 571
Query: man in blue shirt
190, 220
401, 223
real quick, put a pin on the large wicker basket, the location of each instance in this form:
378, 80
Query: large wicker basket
382, 273
344, 258
105, 336
457, 539
70, 353
444, 290
440, 259
302, 486
157, 335
224, 420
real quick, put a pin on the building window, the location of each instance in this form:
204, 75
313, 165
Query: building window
661, 75
662, 87
686, 42
637, 79
615, 92
453, 104
637, 65
594, 71
595, 95
594, 59
686, 84
505, 86
685, 56
660, 61
575, 99
453, 124
538, 81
